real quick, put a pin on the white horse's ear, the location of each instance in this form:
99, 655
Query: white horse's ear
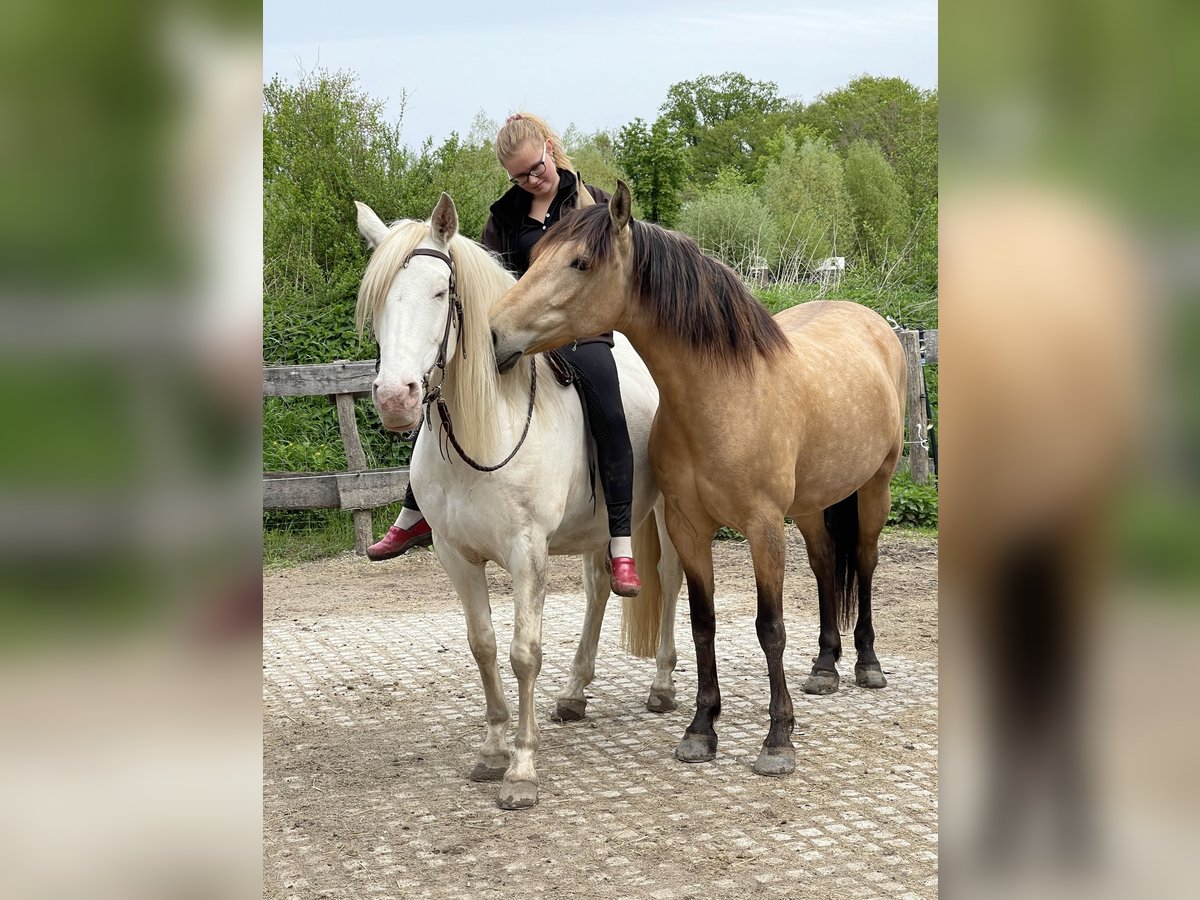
619, 207
370, 225
444, 221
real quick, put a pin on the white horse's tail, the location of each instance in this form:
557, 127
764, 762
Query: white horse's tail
641, 615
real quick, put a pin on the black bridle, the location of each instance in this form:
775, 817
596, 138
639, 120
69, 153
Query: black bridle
433, 395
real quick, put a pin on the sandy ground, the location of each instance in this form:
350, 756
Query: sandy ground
373, 711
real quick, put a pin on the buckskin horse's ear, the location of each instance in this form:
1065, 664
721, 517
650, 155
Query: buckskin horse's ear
619, 206
583, 197
370, 225
444, 220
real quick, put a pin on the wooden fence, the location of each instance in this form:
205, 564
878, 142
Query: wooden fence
361, 489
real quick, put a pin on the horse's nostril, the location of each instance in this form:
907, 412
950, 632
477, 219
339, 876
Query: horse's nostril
495, 340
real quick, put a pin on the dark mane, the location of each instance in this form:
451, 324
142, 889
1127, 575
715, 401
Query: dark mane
688, 293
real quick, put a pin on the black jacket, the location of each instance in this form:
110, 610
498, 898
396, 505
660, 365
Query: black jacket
509, 212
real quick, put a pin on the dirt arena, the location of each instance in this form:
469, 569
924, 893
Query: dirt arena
373, 711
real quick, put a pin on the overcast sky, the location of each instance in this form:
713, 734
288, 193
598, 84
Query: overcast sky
597, 68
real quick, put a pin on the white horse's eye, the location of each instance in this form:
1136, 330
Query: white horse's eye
440, 295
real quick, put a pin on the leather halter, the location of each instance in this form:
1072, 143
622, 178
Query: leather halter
454, 311
432, 395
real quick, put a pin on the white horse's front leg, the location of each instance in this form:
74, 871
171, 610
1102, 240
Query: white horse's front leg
572, 703
670, 577
520, 787
471, 584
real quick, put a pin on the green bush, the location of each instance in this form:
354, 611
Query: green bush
913, 505
731, 222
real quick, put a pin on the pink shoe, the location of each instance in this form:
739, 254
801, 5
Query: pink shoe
623, 576
399, 541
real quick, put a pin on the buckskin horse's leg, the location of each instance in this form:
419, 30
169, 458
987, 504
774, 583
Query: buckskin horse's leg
778, 756
824, 678
693, 541
470, 583
520, 787
874, 504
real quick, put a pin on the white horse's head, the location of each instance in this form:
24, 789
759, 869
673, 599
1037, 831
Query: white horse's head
408, 299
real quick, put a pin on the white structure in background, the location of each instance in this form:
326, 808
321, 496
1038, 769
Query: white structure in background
759, 272
830, 271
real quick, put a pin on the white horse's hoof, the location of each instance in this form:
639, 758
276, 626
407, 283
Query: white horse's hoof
661, 701
484, 772
518, 795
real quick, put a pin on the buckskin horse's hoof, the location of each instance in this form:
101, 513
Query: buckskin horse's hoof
775, 761
696, 748
869, 677
822, 682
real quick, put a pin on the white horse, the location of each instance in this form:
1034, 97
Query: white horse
538, 503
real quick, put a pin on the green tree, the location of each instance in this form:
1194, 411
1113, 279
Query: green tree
692, 107
325, 144
655, 160
805, 191
595, 155
881, 217
466, 169
899, 117
726, 121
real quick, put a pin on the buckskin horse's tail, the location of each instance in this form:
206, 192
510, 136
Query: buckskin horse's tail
641, 615
841, 521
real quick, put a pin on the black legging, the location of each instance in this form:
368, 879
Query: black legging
606, 418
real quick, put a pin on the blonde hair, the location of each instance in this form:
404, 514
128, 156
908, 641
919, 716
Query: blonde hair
525, 128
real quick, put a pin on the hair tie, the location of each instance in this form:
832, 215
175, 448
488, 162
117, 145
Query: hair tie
512, 118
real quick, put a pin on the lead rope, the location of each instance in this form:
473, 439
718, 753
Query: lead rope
446, 429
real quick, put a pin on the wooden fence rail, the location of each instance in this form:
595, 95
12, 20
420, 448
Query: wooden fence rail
361, 489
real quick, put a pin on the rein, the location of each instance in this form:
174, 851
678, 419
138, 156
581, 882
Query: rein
433, 395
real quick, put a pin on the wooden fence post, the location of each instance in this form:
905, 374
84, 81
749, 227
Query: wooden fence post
918, 434
356, 460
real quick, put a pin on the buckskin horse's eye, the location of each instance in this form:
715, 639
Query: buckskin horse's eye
581, 263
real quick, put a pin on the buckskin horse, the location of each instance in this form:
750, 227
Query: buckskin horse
760, 417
